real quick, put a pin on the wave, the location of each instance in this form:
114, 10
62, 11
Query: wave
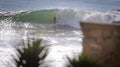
30, 16
107, 17
71, 17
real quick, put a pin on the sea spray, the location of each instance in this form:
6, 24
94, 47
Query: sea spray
100, 17
73, 17
69, 17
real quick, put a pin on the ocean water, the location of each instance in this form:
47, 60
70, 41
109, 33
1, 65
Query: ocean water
57, 22
59, 28
63, 40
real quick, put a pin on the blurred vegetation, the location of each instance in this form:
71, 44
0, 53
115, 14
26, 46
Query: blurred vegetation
82, 61
31, 54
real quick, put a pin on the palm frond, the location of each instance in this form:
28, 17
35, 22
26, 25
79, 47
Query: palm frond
31, 55
82, 61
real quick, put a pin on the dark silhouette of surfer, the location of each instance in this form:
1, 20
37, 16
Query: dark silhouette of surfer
54, 19
118, 10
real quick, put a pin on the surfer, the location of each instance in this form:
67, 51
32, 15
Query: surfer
118, 10
54, 19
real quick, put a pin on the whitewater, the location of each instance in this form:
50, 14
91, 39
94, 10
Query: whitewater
58, 28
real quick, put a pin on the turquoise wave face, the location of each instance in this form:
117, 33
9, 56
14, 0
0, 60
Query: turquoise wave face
40, 16
34, 16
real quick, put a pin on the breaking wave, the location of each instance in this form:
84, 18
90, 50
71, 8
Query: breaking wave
71, 17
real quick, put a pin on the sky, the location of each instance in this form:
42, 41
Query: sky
6, 5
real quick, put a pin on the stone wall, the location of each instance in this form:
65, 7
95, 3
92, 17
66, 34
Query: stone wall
102, 42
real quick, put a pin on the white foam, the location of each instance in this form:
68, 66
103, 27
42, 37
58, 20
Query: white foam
100, 17
69, 17
72, 17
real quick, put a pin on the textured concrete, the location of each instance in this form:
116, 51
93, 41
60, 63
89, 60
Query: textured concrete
102, 42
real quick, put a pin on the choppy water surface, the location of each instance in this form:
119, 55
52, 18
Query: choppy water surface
59, 29
62, 41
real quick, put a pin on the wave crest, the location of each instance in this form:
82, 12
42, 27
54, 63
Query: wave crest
71, 17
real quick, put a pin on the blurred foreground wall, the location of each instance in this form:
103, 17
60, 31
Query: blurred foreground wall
102, 42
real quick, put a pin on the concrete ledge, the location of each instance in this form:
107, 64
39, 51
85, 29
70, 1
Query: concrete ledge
102, 41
